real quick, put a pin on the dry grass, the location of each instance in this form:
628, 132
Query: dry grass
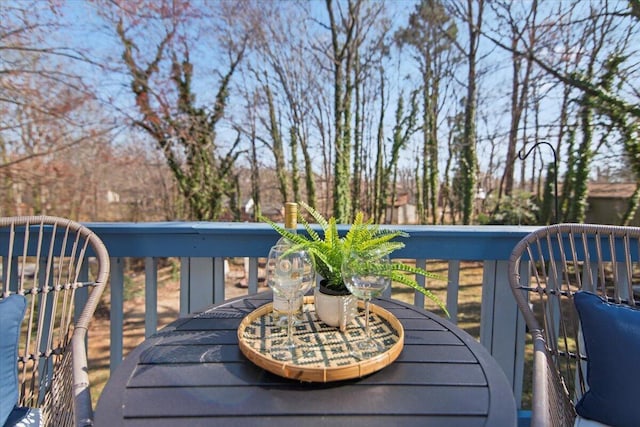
468, 318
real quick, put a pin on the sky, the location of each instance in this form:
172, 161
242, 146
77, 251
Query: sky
90, 33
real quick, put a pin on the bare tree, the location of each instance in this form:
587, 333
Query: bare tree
583, 43
521, 27
162, 84
49, 116
285, 71
471, 12
430, 32
355, 39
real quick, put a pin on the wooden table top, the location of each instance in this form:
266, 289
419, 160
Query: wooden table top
192, 372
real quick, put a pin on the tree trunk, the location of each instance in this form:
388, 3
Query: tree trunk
469, 155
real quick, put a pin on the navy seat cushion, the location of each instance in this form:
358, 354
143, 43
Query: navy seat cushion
11, 313
612, 343
24, 417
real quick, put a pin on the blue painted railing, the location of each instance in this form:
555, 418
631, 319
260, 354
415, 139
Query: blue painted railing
203, 246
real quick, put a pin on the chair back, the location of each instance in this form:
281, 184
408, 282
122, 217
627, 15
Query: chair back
546, 268
61, 267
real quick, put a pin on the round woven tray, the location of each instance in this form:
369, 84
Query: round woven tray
327, 356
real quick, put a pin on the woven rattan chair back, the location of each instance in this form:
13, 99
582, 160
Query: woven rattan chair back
61, 267
545, 269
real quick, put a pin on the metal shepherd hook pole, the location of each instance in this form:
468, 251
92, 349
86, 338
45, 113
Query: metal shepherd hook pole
522, 156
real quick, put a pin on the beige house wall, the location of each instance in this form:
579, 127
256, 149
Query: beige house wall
608, 210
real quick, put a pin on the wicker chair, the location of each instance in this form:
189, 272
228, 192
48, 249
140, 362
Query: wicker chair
50, 261
546, 268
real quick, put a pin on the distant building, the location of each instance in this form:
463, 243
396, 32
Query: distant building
608, 201
402, 211
273, 211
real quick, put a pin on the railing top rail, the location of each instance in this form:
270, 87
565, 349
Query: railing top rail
229, 239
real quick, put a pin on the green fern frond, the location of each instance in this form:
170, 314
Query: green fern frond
310, 231
331, 236
329, 250
283, 231
399, 277
317, 216
373, 242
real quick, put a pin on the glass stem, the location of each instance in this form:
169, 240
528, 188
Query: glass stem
366, 319
290, 321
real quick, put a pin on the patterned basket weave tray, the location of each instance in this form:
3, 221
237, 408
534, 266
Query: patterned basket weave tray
327, 356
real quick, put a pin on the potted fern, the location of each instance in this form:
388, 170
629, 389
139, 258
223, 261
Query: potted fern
330, 249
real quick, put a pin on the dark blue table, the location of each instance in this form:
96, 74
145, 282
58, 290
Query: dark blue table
193, 373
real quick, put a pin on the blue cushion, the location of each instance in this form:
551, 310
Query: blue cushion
24, 417
612, 343
11, 314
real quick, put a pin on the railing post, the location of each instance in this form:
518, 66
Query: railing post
200, 283
150, 296
418, 298
252, 279
185, 289
453, 289
218, 280
501, 325
116, 315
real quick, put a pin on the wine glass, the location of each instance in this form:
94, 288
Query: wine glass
367, 275
288, 273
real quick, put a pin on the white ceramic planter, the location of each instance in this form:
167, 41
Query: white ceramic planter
335, 310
